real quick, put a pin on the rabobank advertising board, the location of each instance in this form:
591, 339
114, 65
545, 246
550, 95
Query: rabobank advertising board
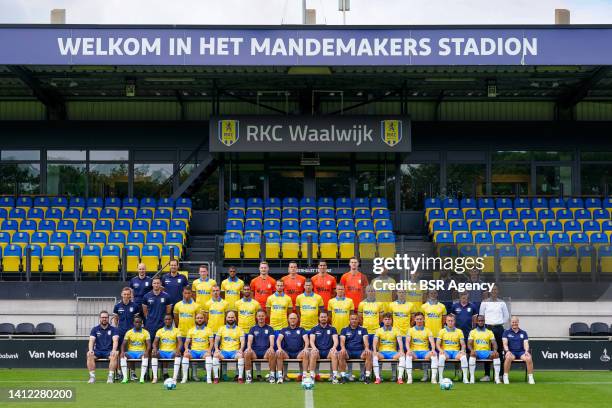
246, 133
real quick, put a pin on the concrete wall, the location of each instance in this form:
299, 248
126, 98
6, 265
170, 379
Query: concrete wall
539, 319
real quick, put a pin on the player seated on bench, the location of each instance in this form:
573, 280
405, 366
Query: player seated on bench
136, 345
198, 345
229, 344
483, 346
419, 345
354, 344
324, 345
291, 343
388, 345
167, 346
260, 345
516, 345
103, 344
451, 345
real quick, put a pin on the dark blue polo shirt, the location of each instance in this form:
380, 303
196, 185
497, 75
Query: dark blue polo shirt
464, 315
515, 340
126, 315
293, 341
156, 307
173, 286
140, 287
261, 337
324, 336
104, 338
354, 338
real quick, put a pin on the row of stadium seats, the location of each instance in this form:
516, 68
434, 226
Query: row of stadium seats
93, 258
290, 245
519, 237
27, 329
510, 214
309, 202
94, 202
236, 213
55, 213
97, 238
309, 225
569, 226
532, 258
596, 329
88, 226
518, 203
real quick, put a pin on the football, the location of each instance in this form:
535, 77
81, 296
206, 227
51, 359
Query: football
170, 384
307, 383
446, 384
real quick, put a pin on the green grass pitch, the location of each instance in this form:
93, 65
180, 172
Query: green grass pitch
552, 389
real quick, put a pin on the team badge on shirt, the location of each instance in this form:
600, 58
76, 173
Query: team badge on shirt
109, 333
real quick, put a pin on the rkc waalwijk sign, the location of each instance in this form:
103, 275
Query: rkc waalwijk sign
247, 133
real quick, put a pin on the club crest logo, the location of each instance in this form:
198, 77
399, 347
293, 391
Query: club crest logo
228, 132
391, 132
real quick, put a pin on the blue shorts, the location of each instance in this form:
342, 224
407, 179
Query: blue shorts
452, 354
198, 354
134, 354
101, 354
324, 353
183, 343
388, 355
292, 354
260, 353
166, 355
421, 354
483, 354
228, 354
517, 354
354, 353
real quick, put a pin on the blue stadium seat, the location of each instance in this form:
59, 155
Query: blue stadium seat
85, 226
178, 225
443, 238
592, 202
24, 202
162, 214
35, 252
497, 225
521, 202
508, 259
126, 214
345, 214
362, 215
487, 252
328, 245
136, 238
527, 214
308, 225
450, 202
290, 226
166, 203
254, 214
253, 225
175, 238
464, 238
117, 238
467, 203
432, 202
600, 214
483, 238
28, 225
472, 214
575, 203
131, 202
3, 213
556, 203
346, 243
534, 226
237, 202
459, 226
90, 214
363, 203
326, 214
255, 203
272, 225
7, 202
582, 214
546, 214
59, 238
272, 245
435, 214
308, 214
144, 214
11, 258
42, 202
183, 203
568, 259
454, 214
290, 214
148, 202
468, 251
516, 225
95, 202
39, 238
538, 203
502, 238
112, 202
367, 245
503, 202
155, 238
586, 254
122, 225
308, 202
579, 239
439, 225
273, 203
272, 214
236, 226
108, 214
553, 226
68, 258
564, 214
491, 214
386, 244
78, 238
111, 259
36, 213
572, 226
509, 214
486, 203
591, 226
345, 225
232, 245
77, 202
540, 238
598, 238
251, 245
327, 226
141, 225
184, 214
383, 226
378, 203
9, 226
344, 202
364, 226
47, 225
381, 214
560, 238
521, 238
97, 238
17, 213
290, 203
448, 251
478, 225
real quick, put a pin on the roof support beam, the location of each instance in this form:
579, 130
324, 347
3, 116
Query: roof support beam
438, 107
567, 102
56, 108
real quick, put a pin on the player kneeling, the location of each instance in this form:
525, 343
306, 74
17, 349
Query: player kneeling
292, 342
483, 346
229, 343
136, 345
388, 345
354, 344
167, 345
260, 344
451, 345
198, 345
420, 345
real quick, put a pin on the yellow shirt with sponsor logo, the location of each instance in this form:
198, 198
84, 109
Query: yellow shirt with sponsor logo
200, 338
401, 315
230, 337
216, 313
309, 309
419, 338
232, 289
387, 339
433, 315
340, 309
203, 290
186, 313
247, 309
416, 298
371, 315
482, 339
450, 340
136, 340
278, 305
384, 296
168, 338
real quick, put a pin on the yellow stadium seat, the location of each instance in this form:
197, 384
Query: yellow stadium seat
67, 263
489, 264
150, 257
529, 264
231, 250
329, 250
132, 262
386, 250
110, 263
291, 249
90, 261
508, 264
51, 263
347, 250
272, 250
252, 250
304, 250
11, 261
367, 250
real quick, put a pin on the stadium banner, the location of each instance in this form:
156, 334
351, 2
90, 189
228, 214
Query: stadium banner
572, 354
43, 353
251, 133
296, 46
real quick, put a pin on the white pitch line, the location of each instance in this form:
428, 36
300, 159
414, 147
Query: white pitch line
308, 400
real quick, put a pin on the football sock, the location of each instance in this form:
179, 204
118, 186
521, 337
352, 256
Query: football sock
185, 365
441, 362
496, 367
209, 367
376, 367
177, 365
92, 374
409, 366
240, 367
400, 367
124, 370
154, 366
215, 365
143, 368
472, 365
